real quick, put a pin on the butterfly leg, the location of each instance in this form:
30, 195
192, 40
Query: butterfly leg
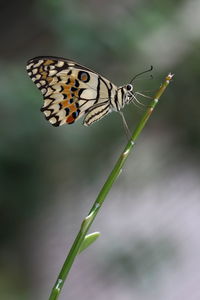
127, 131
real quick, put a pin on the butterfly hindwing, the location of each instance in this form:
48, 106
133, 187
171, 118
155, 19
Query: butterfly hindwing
96, 113
70, 90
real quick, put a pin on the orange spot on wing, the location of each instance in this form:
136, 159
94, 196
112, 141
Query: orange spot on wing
67, 92
84, 77
72, 108
65, 103
70, 120
67, 87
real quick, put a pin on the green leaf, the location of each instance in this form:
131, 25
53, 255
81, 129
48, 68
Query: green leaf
88, 240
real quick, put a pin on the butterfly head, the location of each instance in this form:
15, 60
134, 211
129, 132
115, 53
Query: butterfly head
128, 89
128, 93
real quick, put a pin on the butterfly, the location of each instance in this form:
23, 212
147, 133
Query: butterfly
71, 91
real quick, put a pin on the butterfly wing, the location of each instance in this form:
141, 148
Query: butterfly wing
70, 90
96, 112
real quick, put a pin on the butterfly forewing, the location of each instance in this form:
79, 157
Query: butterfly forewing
70, 90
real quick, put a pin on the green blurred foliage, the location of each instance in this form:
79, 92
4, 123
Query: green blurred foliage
36, 159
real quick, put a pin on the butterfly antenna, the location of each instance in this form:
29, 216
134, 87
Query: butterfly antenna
139, 74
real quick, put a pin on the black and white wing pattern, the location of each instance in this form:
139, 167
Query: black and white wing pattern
71, 91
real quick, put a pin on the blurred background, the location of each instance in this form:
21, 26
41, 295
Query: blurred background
150, 243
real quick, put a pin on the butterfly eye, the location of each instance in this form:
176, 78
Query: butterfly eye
129, 87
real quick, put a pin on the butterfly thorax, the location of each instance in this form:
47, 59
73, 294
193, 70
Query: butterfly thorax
122, 97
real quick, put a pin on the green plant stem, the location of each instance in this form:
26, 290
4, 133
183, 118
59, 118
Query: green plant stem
87, 222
